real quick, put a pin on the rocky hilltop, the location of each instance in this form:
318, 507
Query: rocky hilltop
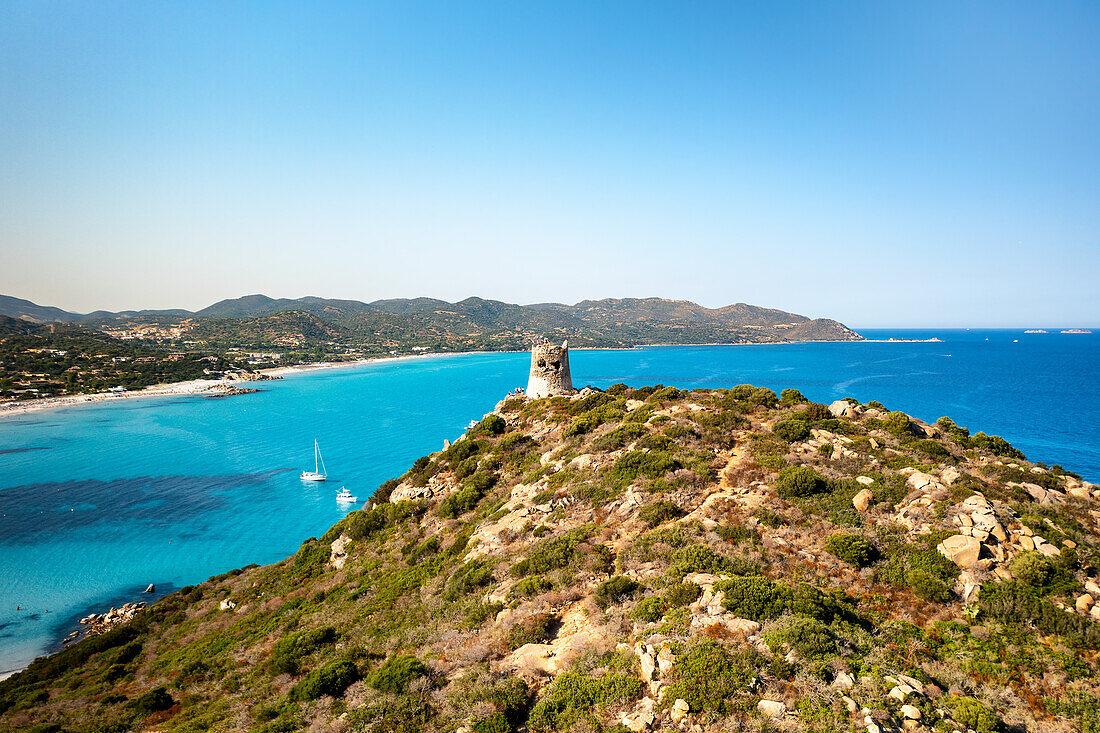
640, 559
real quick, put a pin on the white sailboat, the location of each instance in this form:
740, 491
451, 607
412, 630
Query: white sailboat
319, 472
345, 497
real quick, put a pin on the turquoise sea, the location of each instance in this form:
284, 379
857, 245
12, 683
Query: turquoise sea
98, 501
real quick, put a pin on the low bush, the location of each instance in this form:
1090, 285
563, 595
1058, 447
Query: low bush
468, 578
698, 559
807, 637
898, 424
619, 437
154, 701
851, 548
659, 512
709, 677
792, 430
567, 704
796, 481
536, 629
974, 715
614, 590
792, 397
932, 448
289, 651
489, 425
532, 585
552, 554
642, 463
395, 674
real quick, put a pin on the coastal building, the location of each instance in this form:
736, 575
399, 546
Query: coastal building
549, 371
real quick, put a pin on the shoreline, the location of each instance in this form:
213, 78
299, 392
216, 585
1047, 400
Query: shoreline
198, 387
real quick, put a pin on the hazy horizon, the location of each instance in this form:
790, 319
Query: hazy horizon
884, 166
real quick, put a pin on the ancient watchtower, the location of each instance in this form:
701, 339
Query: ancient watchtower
549, 370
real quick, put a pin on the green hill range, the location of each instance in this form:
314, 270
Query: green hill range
639, 559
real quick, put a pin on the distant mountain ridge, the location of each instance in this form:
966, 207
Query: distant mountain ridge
473, 323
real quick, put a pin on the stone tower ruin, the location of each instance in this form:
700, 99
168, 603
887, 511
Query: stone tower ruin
549, 371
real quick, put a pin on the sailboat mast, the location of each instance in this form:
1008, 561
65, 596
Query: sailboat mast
316, 452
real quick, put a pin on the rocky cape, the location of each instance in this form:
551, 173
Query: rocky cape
639, 559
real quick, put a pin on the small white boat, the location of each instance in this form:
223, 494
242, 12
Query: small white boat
345, 497
319, 472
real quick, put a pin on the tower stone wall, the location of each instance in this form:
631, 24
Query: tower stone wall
549, 371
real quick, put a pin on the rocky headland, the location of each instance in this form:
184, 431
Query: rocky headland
633, 560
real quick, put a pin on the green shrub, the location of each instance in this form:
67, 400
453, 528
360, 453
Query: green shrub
331, 679
461, 450
532, 585
807, 637
1013, 602
796, 481
851, 548
614, 589
552, 553
468, 578
974, 715
792, 397
568, 703
619, 437
816, 411
763, 396
753, 597
996, 445
395, 674
289, 651
931, 448
709, 677
681, 594
898, 424
154, 701
381, 495
658, 512
768, 518
929, 587
535, 629
792, 430
920, 568
638, 463
650, 609
489, 425
698, 559
466, 499
1033, 569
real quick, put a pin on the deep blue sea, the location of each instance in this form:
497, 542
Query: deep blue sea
98, 501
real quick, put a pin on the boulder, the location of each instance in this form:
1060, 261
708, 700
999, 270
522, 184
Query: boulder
961, 550
843, 681
772, 708
950, 475
642, 717
227, 605
865, 480
910, 712
665, 660
843, 408
680, 710
862, 500
339, 553
919, 480
1083, 603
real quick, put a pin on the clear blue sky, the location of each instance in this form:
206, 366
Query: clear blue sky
928, 163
